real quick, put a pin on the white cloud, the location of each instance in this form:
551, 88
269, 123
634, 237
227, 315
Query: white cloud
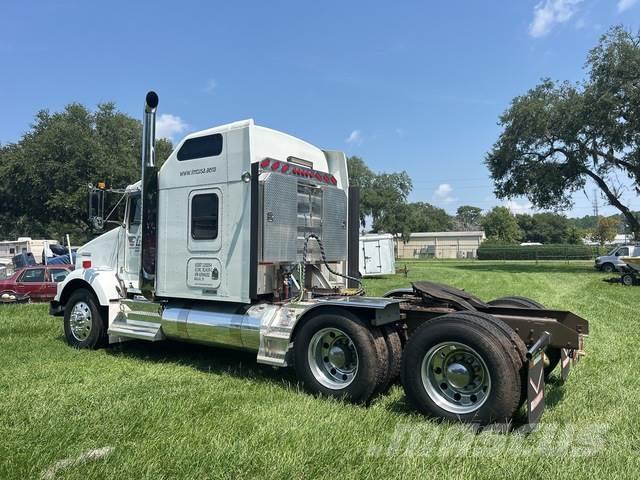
517, 207
354, 137
169, 125
443, 194
211, 86
548, 13
625, 5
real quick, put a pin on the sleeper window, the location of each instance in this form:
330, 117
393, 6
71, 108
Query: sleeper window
200, 147
204, 216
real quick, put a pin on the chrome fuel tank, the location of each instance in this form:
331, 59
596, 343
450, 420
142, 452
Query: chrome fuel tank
216, 325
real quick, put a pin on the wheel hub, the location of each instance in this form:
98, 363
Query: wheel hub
332, 358
458, 375
455, 377
80, 321
337, 356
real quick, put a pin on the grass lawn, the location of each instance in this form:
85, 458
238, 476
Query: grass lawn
183, 411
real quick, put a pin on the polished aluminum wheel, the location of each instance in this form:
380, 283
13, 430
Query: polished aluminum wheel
455, 377
80, 321
333, 358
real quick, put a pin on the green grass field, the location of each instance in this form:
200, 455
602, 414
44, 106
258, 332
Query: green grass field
183, 411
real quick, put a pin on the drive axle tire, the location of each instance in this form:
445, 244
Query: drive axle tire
382, 353
461, 367
84, 326
335, 355
552, 354
394, 357
515, 301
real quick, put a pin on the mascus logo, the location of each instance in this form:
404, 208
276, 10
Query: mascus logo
289, 169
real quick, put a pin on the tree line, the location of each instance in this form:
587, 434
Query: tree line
502, 226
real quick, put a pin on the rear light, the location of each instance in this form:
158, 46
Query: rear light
86, 263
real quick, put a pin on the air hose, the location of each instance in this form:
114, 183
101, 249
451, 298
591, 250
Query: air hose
303, 267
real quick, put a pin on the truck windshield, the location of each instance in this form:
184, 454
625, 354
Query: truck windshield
612, 252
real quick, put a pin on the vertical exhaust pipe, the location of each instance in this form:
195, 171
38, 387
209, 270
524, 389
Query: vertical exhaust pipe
149, 198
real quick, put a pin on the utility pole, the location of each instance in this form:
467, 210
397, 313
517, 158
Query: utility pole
596, 212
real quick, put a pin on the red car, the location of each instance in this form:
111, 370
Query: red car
40, 282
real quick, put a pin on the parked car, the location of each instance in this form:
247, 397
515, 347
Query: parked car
39, 282
612, 261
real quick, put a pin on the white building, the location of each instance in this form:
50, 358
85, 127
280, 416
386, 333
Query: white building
441, 245
620, 239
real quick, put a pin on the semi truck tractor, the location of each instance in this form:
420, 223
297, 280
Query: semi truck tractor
247, 238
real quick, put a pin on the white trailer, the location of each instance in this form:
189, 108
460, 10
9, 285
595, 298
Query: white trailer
247, 238
377, 255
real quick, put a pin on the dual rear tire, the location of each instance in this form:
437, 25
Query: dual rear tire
463, 367
552, 354
460, 366
337, 355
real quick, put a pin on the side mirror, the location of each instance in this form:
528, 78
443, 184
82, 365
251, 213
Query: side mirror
96, 209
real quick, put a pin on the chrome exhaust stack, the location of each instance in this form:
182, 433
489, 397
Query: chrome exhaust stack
149, 197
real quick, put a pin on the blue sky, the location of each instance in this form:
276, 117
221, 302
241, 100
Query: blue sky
416, 85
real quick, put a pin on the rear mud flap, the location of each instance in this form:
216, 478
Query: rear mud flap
567, 358
535, 390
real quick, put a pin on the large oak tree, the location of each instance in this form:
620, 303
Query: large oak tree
558, 136
44, 177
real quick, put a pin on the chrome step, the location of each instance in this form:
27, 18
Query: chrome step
151, 332
137, 319
273, 349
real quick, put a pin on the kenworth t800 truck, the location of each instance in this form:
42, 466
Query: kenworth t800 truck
247, 238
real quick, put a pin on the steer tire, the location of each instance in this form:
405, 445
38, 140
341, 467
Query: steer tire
95, 335
552, 354
315, 374
496, 403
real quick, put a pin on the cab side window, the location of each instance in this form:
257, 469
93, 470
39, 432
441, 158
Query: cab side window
33, 275
204, 216
623, 252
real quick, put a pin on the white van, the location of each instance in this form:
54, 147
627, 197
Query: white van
377, 255
612, 261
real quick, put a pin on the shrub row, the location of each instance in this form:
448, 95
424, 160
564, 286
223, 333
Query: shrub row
538, 252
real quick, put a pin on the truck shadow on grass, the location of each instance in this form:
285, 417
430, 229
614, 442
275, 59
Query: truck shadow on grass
204, 358
242, 365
